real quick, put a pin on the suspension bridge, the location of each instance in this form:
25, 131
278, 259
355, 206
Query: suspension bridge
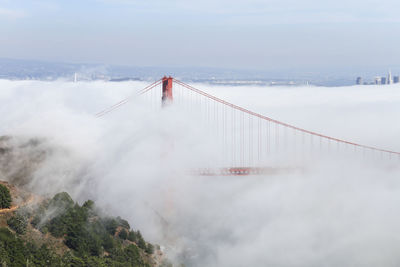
245, 140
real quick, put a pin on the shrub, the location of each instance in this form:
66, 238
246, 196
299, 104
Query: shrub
166, 263
149, 249
123, 234
5, 197
111, 225
35, 221
89, 204
18, 223
123, 223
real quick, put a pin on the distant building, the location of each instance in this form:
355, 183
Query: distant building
396, 79
383, 80
377, 80
359, 80
389, 80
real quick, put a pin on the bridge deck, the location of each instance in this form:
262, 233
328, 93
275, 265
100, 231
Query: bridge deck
242, 171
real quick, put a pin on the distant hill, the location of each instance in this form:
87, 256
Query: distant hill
17, 69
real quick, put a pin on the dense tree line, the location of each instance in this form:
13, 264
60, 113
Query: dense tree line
93, 240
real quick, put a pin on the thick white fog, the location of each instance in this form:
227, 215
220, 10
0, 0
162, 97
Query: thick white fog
337, 212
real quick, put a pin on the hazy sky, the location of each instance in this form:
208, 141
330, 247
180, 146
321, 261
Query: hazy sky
259, 34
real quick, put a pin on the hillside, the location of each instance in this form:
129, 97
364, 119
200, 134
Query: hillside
59, 232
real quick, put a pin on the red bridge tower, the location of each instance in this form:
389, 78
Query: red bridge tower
167, 90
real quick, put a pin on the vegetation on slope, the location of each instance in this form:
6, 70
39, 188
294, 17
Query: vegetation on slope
89, 239
5, 197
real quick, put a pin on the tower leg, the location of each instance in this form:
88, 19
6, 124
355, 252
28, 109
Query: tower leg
167, 90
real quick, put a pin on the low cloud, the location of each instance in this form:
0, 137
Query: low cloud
340, 210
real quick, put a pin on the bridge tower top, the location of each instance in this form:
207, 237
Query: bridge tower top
167, 96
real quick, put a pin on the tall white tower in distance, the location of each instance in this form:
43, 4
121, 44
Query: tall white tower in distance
390, 79
75, 77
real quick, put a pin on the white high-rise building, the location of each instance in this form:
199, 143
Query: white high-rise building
390, 79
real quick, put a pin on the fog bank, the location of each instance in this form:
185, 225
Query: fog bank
339, 211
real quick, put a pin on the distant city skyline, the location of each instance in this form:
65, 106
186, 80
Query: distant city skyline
389, 79
253, 34
50, 70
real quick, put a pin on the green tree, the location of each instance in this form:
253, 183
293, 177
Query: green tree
18, 223
61, 200
111, 225
123, 234
132, 236
123, 223
141, 243
89, 204
149, 249
5, 197
13, 247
